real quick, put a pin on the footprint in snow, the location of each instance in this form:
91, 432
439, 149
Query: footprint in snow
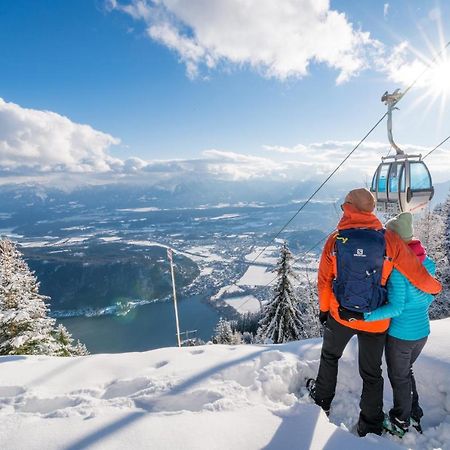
197, 352
126, 388
160, 364
47, 405
194, 401
11, 391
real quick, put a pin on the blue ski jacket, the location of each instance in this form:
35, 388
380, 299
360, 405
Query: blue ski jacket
407, 306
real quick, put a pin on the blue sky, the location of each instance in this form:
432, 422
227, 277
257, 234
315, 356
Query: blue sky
94, 62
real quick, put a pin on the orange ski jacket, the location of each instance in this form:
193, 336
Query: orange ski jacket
398, 255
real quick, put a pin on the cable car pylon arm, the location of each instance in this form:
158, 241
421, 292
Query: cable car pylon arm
391, 100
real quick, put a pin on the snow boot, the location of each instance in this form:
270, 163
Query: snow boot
361, 429
358, 430
395, 426
416, 416
311, 386
415, 423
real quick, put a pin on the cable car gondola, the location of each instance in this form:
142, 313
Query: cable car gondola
401, 182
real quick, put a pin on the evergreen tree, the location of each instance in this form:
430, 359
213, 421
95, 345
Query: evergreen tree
25, 328
224, 334
247, 338
433, 230
192, 342
309, 309
247, 322
281, 320
66, 346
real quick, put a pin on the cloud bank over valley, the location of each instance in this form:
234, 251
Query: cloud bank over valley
46, 146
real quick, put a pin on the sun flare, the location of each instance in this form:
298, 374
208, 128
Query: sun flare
430, 74
439, 78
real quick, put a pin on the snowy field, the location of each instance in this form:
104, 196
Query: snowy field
211, 397
140, 210
231, 289
257, 276
269, 256
203, 254
146, 243
110, 239
244, 303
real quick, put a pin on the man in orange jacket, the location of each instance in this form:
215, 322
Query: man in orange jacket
340, 324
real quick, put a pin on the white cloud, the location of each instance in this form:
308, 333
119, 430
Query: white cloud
33, 140
280, 39
47, 147
298, 163
402, 66
218, 164
299, 148
236, 166
44, 145
320, 158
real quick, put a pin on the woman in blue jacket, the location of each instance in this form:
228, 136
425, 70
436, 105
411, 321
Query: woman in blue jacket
408, 331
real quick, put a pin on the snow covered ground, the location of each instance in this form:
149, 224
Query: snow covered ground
269, 256
225, 216
110, 238
231, 289
257, 276
203, 254
140, 210
147, 243
244, 303
210, 397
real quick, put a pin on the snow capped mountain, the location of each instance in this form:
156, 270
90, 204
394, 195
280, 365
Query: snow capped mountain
210, 397
172, 193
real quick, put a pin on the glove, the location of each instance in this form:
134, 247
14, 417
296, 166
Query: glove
323, 316
350, 316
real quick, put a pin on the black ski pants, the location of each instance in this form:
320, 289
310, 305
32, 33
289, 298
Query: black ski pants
370, 352
400, 357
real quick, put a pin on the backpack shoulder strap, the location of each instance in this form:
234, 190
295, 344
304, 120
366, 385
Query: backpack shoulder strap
388, 264
333, 253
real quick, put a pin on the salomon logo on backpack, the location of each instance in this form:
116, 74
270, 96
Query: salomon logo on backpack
360, 255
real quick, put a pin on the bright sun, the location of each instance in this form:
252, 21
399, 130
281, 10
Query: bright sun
436, 81
440, 78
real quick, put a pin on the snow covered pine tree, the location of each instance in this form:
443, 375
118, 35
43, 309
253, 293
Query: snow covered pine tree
308, 304
281, 319
433, 229
25, 328
66, 343
223, 333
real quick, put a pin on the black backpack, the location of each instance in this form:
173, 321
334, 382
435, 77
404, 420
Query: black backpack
360, 255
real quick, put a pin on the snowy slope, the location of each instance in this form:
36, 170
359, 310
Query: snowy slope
210, 397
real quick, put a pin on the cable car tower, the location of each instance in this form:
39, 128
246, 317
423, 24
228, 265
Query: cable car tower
401, 182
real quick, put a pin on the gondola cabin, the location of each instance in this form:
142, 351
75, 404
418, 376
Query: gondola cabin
402, 183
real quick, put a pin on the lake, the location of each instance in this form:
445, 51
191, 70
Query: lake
145, 327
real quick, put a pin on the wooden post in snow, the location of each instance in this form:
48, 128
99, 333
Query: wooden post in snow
170, 258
